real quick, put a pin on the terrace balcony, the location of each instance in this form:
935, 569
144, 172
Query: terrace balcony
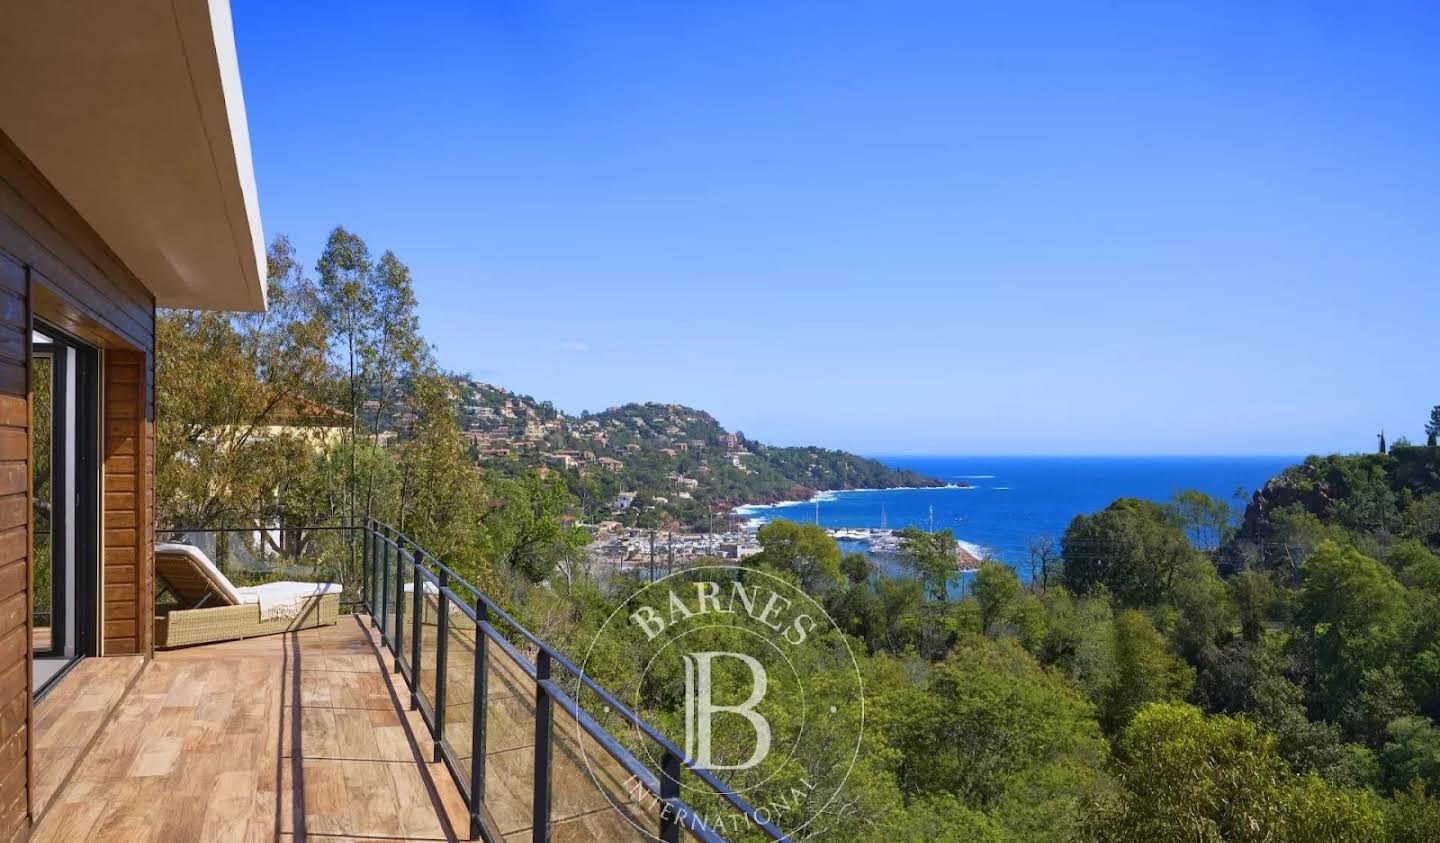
425, 713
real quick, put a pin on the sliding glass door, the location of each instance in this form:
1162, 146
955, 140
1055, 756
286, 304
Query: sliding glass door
45, 640
63, 458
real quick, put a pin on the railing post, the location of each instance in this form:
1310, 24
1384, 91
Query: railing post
399, 599
385, 586
418, 581
669, 790
350, 536
478, 708
540, 822
442, 633
365, 568
374, 573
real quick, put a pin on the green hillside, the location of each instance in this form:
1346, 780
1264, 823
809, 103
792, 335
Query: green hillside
681, 463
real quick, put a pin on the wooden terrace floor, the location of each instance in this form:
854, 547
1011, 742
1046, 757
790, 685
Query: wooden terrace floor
288, 737
308, 736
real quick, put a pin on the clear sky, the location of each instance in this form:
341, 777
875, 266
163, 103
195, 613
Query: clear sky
891, 227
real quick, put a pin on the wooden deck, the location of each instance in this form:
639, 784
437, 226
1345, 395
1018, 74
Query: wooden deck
308, 736
71, 715
288, 737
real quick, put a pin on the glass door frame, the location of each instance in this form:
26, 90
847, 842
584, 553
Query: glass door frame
75, 503
58, 355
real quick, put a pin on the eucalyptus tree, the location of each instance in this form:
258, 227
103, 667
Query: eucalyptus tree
347, 297
395, 359
437, 492
374, 327
228, 389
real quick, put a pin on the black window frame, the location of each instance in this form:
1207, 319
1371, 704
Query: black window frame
85, 528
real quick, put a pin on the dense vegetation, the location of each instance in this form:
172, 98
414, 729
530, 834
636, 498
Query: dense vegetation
1168, 672
652, 446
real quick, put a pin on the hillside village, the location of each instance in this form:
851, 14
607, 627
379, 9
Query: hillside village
653, 465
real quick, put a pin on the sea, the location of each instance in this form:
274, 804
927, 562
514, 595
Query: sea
998, 505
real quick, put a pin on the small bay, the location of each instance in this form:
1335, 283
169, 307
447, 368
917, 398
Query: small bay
1000, 504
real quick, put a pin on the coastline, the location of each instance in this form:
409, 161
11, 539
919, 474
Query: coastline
1014, 500
822, 495
879, 542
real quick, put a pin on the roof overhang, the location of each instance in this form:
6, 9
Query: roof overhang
133, 111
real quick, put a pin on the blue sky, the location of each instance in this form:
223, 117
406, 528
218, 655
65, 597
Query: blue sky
891, 227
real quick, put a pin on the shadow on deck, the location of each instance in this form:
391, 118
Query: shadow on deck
287, 737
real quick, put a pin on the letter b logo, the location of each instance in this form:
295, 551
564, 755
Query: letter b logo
700, 709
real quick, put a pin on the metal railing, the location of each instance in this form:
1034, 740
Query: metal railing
396, 572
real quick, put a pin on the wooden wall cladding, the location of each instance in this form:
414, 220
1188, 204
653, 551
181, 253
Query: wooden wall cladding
53, 266
127, 518
84, 288
15, 690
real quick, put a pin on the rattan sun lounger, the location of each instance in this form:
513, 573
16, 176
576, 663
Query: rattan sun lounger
215, 610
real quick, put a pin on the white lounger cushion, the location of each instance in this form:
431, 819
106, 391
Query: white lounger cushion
275, 599
284, 599
218, 581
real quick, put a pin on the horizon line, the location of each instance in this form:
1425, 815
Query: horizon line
914, 454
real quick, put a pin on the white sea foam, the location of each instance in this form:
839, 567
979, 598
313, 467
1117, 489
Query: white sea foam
976, 550
832, 495
752, 508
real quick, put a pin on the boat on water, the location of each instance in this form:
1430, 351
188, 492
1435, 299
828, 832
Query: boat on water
884, 542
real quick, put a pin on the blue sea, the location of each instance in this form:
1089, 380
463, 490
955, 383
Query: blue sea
1011, 500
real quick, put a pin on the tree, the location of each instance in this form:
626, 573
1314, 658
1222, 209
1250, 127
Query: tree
1252, 593
803, 550
234, 393
521, 527
1309, 746
347, 297
1044, 561
1205, 519
1080, 641
1186, 777
1205, 616
940, 817
1355, 614
1414, 816
901, 599
1295, 533
996, 586
438, 490
986, 725
856, 567
1145, 671
393, 355
1421, 519
858, 611
933, 558
1382, 700
1412, 753
1132, 547
1432, 426
1381, 437
1028, 620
